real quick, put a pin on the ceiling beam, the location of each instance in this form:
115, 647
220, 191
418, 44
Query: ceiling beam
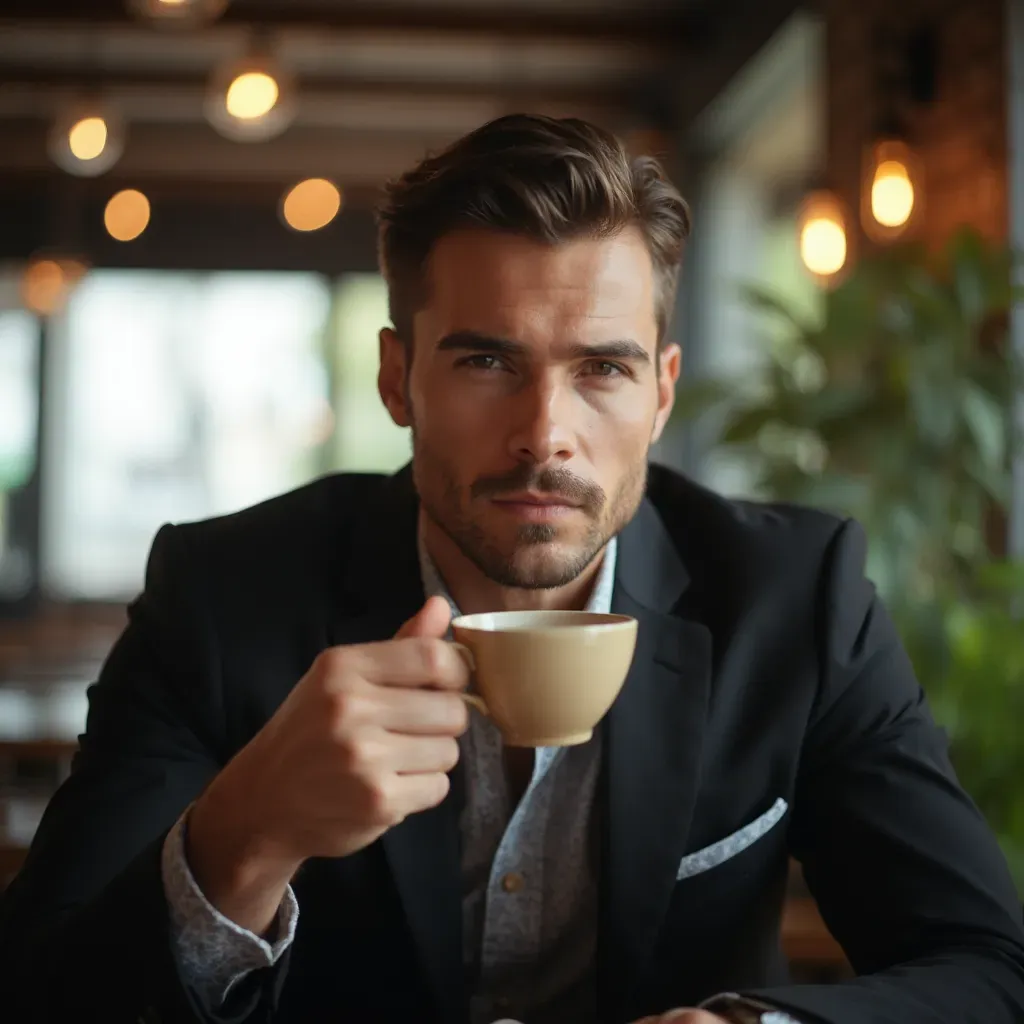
664, 25
29, 80
355, 159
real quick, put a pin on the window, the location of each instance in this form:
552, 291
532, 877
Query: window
19, 357
761, 141
179, 396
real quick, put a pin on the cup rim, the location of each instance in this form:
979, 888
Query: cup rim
554, 621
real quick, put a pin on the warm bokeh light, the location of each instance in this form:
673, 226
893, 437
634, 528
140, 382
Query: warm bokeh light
823, 246
251, 99
892, 194
891, 189
822, 235
47, 283
87, 138
126, 215
183, 13
311, 204
252, 94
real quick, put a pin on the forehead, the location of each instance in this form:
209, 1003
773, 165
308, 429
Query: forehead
514, 286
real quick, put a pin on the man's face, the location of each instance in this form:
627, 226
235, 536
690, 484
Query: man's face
534, 395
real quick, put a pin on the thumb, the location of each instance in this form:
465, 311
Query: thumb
432, 620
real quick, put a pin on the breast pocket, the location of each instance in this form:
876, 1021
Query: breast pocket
724, 850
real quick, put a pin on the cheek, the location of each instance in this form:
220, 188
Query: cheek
455, 421
620, 424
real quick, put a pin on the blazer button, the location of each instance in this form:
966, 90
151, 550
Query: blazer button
513, 882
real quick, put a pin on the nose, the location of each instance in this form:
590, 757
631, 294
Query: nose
542, 430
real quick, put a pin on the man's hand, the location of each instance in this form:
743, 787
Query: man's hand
685, 1016
365, 739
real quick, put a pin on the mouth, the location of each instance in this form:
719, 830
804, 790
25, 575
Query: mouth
535, 507
536, 500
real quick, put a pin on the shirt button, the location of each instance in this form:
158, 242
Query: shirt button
512, 882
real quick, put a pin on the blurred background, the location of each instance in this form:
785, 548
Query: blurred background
189, 299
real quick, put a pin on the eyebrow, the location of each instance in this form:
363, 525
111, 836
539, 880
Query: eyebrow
472, 341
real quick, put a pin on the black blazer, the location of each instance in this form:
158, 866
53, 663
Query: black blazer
765, 668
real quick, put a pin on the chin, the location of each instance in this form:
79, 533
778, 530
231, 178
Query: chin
546, 566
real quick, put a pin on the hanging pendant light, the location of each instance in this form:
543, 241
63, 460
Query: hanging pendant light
87, 138
821, 225
891, 187
311, 204
891, 192
252, 98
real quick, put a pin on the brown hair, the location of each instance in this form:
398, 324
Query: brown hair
552, 180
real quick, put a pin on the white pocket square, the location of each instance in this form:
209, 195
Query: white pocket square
717, 853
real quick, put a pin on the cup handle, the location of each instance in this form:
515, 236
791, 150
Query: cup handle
476, 702
472, 699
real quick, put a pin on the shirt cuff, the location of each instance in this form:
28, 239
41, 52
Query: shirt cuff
214, 952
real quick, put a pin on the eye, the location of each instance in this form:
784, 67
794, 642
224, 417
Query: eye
481, 361
605, 369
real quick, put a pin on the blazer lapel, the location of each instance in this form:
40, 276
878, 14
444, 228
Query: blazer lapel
651, 770
381, 589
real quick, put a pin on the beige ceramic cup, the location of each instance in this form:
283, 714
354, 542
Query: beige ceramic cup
546, 678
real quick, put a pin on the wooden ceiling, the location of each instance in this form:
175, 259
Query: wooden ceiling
379, 81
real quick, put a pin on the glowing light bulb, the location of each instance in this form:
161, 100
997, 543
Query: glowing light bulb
311, 204
251, 95
126, 215
822, 229
892, 194
823, 247
87, 138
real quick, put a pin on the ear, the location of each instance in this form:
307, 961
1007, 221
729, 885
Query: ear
392, 377
668, 377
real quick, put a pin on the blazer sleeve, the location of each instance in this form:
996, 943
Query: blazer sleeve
907, 874
84, 927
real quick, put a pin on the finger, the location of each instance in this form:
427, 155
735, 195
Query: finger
415, 793
414, 661
421, 712
416, 755
432, 620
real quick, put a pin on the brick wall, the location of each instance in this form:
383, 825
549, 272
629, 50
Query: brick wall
961, 137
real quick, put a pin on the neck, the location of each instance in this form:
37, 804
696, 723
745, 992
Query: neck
474, 592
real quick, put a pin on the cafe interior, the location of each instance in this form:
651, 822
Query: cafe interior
190, 299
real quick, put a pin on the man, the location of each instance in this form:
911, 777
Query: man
281, 810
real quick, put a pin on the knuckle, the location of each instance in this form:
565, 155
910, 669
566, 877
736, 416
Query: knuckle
433, 653
356, 755
335, 663
349, 707
380, 804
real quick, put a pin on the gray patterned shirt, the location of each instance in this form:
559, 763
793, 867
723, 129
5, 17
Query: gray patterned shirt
529, 880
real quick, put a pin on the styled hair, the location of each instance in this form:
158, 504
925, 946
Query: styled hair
547, 179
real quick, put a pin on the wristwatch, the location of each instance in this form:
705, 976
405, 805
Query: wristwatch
739, 1009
